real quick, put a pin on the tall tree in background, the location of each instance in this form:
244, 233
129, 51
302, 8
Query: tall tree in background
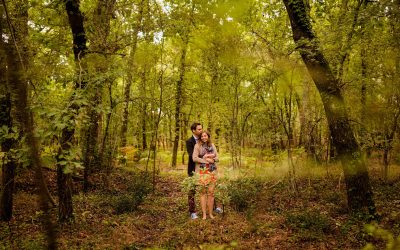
184, 30
359, 193
101, 28
129, 79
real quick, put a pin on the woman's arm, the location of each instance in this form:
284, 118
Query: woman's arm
196, 153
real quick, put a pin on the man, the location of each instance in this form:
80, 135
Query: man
196, 128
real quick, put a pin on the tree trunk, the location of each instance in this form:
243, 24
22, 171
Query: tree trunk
105, 149
390, 131
144, 126
363, 97
386, 163
8, 169
90, 152
129, 80
102, 18
19, 90
346, 46
359, 193
178, 98
64, 181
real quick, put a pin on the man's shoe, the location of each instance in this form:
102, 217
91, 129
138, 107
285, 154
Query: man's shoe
193, 216
218, 210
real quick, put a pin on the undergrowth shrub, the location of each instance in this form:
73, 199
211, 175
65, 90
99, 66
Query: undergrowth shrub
309, 225
243, 192
138, 189
240, 194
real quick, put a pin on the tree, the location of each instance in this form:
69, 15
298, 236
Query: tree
17, 55
101, 30
129, 79
64, 180
359, 192
6, 139
183, 30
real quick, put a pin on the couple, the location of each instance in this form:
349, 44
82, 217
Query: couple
202, 158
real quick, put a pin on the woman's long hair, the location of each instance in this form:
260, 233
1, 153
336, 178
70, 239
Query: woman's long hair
209, 143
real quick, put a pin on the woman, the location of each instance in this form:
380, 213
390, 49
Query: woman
205, 155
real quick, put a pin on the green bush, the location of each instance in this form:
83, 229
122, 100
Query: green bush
139, 188
309, 220
243, 193
309, 225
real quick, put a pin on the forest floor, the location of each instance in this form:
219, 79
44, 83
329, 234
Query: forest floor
314, 217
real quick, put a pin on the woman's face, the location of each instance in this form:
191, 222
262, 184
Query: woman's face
204, 137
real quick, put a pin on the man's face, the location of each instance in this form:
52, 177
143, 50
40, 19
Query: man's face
198, 130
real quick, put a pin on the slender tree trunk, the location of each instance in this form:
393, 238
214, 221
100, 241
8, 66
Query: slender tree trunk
105, 145
129, 80
363, 130
125, 113
359, 192
234, 136
386, 163
178, 98
64, 181
101, 22
390, 131
346, 46
90, 152
144, 126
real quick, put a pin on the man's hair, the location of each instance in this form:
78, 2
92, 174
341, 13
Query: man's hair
194, 125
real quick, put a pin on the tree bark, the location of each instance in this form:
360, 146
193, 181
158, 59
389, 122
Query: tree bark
9, 165
8, 169
143, 111
390, 130
129, 80
359, 193
90, 152
64, 179
178, 98
17, 55
102, 17
346, 46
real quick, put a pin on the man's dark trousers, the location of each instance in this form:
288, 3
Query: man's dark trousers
191, 167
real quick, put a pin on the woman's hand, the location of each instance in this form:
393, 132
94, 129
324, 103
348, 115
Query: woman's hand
210, 160
208, 156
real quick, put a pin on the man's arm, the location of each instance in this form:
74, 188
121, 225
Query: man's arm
189, 147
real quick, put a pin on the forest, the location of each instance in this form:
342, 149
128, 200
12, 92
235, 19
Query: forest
301, 99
